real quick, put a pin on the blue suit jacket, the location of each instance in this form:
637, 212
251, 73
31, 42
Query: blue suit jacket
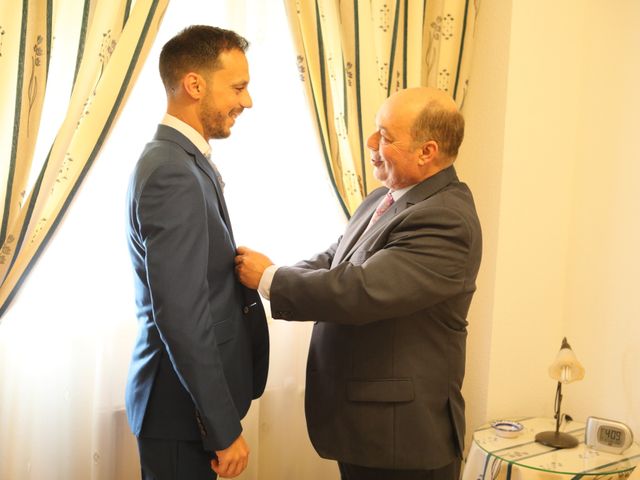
202, 350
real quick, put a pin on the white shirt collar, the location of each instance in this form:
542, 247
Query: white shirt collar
396, 194
188, 131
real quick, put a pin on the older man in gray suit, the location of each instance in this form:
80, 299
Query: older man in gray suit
390, 298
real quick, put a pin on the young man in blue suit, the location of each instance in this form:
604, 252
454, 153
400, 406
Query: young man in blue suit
202, 350
390, 301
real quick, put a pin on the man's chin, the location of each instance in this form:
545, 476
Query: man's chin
380, 175
220, 133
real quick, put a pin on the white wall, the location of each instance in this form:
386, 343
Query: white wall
603, 296
480, 165
552, 157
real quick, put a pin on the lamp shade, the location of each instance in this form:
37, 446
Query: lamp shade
566, 368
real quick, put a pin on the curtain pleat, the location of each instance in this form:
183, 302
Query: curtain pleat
353, 54
24, 64
113, 41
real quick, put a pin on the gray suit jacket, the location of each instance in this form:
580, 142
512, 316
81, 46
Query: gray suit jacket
387, 354
202, 351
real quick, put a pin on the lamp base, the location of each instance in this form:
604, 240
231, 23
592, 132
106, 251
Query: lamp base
557, 439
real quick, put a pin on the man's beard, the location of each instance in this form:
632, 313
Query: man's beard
214, 125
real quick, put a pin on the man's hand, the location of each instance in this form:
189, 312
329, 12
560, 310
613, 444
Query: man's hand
232, 460
250, 265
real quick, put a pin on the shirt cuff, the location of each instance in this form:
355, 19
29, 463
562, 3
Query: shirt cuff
264, 287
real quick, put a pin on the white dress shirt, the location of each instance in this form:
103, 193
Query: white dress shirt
188, 131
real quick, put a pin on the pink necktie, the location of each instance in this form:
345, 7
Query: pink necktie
383, 206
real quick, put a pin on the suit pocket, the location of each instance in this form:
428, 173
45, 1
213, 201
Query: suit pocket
393, 390
224, 331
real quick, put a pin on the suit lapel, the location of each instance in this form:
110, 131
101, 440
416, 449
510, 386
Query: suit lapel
172, 135
206, 167
357, 225
417, 194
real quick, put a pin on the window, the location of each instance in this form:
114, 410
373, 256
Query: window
67, 337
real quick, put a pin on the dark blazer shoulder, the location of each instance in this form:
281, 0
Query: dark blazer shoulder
431, 186
162, 162
168, 134
168, 145
442, 190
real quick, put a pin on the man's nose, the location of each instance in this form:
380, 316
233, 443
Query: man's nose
373, 142
246, 100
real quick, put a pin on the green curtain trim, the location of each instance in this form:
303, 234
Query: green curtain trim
325, 154
424, 13
323, 75
464, 32
394, 39
82, 39
127, 11
16, 122
30, 207
324, 141
92, 156
345, 103
363, 166
49, 31
406, 46
38, 182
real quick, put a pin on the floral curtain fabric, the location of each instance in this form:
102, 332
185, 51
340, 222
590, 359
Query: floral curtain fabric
101, 45
351, 55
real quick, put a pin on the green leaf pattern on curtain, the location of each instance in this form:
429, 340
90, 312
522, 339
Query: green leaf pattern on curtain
112, 41
352, 54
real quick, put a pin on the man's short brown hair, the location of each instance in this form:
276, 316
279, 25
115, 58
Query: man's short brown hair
196, 49
445, 127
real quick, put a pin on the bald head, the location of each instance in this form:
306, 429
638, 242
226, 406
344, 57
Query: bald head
418, 132
429, 114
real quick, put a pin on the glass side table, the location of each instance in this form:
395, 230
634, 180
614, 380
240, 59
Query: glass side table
521, 458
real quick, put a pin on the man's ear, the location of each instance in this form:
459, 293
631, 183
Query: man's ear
429, 152
194, 85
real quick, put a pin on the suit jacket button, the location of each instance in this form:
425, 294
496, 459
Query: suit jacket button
245, 310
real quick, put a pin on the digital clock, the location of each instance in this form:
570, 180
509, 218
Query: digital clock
607, 435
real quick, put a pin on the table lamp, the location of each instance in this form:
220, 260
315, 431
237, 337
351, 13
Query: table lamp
565, 369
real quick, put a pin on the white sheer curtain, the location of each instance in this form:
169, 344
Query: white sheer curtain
64, 357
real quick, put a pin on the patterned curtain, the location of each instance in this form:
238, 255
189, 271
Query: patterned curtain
101, 45
353, 54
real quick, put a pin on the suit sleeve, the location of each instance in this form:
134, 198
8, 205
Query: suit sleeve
423, 262
321, 261
173, 225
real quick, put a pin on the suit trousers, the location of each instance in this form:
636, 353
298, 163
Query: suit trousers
162, 459
356, 472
